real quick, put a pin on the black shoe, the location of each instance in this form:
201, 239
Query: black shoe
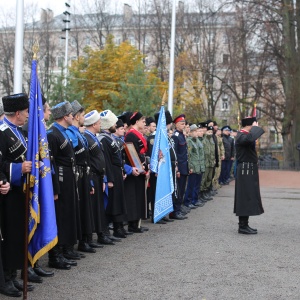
161, 222
135, 229
104, 240
167, 219
144, 228
41, 272
70, 262
185, 209
206, 196
192, 206
246, 230
85, 247
253, 229
177, 216
114, 238
126, 232
32, 276
95, 245
69, 253
119, 233
19, 285
8, 289
59, 264
199, 204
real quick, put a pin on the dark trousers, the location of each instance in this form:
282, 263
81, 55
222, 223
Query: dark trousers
181, 190
225, 170
192, 189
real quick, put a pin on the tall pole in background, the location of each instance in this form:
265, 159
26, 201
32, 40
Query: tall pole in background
66, 29
19, 38
172, 55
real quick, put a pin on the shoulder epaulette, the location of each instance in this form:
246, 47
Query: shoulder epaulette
3, 126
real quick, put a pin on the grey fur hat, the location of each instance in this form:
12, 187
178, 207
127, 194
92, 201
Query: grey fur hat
61, 109
76, 106
1, 108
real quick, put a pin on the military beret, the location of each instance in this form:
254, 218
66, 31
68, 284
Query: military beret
210, 128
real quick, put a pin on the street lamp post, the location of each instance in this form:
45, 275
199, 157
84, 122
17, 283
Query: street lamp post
66, 29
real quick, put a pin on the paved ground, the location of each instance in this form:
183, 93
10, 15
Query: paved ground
200, 258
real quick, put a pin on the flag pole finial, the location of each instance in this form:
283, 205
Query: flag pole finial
35, 49
164, 99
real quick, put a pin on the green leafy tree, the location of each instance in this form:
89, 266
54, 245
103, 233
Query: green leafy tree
142, 91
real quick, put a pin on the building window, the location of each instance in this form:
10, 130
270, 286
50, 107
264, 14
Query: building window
225, 59
147, 40
225, 104
196, 40
118, 40
87, 41
62, 41
272, 136
60, 61
131, 40
225, 38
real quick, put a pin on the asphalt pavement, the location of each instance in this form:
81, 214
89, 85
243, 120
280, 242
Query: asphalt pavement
202, 257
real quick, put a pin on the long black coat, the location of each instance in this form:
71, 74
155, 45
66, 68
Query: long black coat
247, 199
134, 186
12, 205
116, 208
97, 173
84, 180
64, 183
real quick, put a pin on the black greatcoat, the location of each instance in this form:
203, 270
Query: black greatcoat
116, 208
134, 186
2, 280
83, 182
12, 204
98, 168
247, 200
64, 185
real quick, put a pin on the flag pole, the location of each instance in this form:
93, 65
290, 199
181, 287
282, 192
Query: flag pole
25, 272
172, 54
35, 50
18, 62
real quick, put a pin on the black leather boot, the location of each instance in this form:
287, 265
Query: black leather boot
8, 289
69, 253
118, 232
56, 259
32, 276
85, 247
244, 227
42, 272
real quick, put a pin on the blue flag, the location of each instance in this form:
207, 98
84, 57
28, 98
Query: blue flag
42, 221
160, 163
